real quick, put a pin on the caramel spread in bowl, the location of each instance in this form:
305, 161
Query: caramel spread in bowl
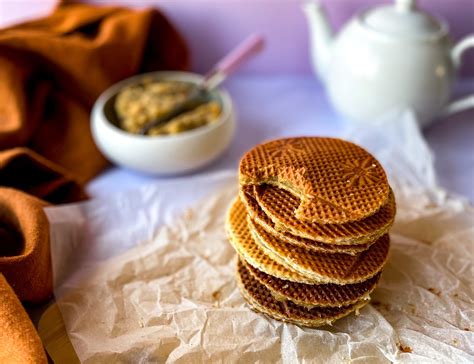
139, 104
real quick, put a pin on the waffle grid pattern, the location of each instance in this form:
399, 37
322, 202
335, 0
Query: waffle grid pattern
241, 239
337, 181
259, 217
261, 299
279, 205
336, 268
310, 227
329, 295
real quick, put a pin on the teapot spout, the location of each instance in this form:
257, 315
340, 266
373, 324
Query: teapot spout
320, 36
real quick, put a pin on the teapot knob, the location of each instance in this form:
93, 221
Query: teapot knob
405, 5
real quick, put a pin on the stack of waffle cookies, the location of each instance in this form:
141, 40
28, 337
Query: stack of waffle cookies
310, 226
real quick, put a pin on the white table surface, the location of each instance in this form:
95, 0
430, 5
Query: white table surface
274, 106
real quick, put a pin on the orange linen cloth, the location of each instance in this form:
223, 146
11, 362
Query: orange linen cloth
19, 342
51, 72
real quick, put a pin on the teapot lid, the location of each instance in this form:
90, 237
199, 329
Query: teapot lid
403, 19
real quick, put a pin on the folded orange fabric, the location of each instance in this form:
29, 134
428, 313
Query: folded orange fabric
19, 342
25, 170
51, 72
25, 259
53, 69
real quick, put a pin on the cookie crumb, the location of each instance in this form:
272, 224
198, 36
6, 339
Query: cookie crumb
405, 349
412, 308
381, 305
466, 329
434, 291
216, 295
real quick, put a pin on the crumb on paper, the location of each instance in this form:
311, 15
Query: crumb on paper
405, 349
216, 295
466, 329
455, 342
434, 291
412, 308
381, 305
455, 295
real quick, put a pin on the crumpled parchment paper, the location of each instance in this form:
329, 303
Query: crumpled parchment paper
148, 276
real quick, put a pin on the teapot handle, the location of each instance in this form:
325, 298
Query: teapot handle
465, 102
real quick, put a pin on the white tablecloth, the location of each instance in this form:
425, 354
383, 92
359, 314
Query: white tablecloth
274, 106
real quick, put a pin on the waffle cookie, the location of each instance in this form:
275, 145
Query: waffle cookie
258, 216
335, 181
261, 300
336, 268
241, 239
310, 295
310, 226
279, 205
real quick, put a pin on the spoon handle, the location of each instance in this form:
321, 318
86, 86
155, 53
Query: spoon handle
227, 65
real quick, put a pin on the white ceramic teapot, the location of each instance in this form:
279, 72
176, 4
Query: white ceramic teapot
385, 59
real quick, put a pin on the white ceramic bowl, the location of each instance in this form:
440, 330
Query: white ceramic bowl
171, 154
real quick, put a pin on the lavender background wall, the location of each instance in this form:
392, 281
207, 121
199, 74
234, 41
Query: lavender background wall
212, 27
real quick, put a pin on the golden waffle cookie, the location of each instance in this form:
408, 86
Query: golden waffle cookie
336, 268
336, 181
259, 216
261, 300
279, 205
241, 239
323, 295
